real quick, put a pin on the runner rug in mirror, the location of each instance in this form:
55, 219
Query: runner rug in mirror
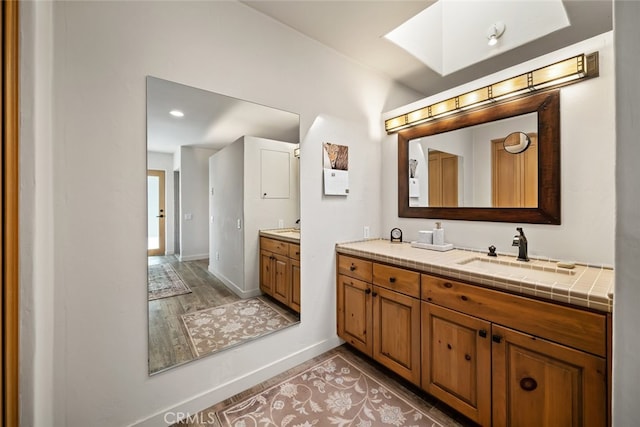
223, 326
163, 282
332, 393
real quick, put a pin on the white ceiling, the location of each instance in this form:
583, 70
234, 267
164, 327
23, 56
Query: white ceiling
211, 120
356, 29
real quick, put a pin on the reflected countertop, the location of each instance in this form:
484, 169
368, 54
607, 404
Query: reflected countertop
291, 235
584, 285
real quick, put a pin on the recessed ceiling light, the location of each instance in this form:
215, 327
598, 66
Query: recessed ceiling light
176, 113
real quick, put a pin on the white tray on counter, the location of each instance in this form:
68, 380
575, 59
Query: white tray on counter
439, 248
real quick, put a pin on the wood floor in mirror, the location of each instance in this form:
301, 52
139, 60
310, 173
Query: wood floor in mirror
192, 314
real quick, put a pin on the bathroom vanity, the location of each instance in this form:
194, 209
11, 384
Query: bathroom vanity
280, 266
503, 342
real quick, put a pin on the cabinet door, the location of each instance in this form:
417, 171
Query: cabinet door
266, 276
396, 325
456, 361
294, 274
540, 383
281, 283
354, 313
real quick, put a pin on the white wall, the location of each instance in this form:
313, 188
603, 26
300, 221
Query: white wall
261, 213
626, 334
87, 361
194, 205
164, 162
587, 112
37, 294
234, 173
226, 206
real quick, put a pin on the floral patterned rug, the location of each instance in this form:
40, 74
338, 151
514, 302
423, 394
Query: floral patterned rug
219, 327
332, 393
163, 282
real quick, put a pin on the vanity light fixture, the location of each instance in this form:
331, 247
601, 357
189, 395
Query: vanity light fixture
561, 73
176, 113
494, 32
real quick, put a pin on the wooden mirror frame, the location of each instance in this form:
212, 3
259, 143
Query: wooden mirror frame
547, 106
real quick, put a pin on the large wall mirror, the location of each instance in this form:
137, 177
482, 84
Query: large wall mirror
209, 158
498, 163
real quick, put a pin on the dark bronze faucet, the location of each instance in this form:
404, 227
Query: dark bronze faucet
520, 240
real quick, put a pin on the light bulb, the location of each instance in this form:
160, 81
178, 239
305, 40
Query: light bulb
494, 32
176, 113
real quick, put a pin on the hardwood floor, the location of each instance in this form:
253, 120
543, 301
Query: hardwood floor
168, 340
439, 411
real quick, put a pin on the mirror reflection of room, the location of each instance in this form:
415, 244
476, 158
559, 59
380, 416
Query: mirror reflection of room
223, 222
470, 167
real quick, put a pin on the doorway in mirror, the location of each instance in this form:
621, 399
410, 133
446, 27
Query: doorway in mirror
155, 212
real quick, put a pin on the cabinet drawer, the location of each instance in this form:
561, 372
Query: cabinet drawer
573, 327
354, 267
397, 279
275, 246
294, 251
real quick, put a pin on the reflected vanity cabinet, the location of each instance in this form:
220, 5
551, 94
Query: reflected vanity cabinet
280, 271
379, 313
498, 358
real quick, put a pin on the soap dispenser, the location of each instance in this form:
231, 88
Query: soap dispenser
438, 234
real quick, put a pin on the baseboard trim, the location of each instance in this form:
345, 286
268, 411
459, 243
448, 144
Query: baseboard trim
230, 388
195, 257
233, 287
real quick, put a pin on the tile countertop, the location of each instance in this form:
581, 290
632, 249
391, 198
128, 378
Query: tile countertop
291, 235
584, 285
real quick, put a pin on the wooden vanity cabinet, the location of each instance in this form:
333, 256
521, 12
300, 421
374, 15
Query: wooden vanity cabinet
498, 358
550, 371
280, 274
540, 383
355, 313
378, 313
274, 275
294, 274
456, 361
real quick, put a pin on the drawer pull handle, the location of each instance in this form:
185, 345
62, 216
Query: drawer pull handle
367, 291
352, 268
297, 252
496, 338
463, 298
375, 294
392, 279
467, 357
528, 384
482, 333
447, 285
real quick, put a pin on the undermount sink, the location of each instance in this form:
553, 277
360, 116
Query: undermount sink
537, 271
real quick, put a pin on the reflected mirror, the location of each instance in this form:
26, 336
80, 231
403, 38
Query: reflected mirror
222, 191
497, 163
475, 167
516, 143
